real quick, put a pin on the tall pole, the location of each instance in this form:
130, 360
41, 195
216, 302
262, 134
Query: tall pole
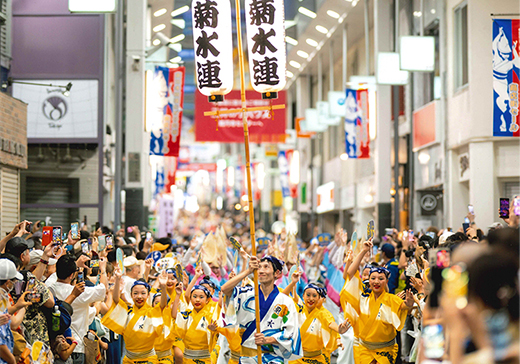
395, 92
248, 173
119, 71
411, 157
367, 39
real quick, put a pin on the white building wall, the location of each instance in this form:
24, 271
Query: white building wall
492, 160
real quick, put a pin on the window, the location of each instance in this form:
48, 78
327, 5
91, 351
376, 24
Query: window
461, 45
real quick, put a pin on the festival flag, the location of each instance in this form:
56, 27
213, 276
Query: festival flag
357, 139
283, 166
165, 133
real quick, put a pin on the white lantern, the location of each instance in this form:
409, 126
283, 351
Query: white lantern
213, 45
266, 44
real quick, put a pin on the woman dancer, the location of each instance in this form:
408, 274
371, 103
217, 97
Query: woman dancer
140, 324
319, 332
377, 314
196, 326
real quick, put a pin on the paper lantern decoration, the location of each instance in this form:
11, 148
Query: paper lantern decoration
213, 45
266, 45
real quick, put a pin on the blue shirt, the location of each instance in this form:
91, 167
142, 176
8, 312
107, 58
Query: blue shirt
393, 281
6, 338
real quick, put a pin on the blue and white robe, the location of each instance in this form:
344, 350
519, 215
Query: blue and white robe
278, 319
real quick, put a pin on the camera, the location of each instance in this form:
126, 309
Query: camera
409, 253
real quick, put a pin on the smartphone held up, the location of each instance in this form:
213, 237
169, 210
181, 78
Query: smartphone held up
504, 208
74, 230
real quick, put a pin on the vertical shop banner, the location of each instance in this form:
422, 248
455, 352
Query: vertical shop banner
506, 69
213, 45
357, 139
283, 166
265, 126
165, 134
266, 44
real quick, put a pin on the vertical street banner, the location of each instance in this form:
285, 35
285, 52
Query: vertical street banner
213, 44
506, 68
357, 139
266, 44
283, 166
158, 181
170, 171
165, 136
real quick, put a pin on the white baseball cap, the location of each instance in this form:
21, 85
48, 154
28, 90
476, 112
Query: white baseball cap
36, 255
130, 261
8, 270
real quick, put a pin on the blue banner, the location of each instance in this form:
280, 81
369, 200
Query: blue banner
506, 68
283, 166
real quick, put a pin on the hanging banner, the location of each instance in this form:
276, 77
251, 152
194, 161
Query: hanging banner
506, 69
165, 135
170, 171
158, 181
283, 166
357, 140
213, 46
266, 44
264, 126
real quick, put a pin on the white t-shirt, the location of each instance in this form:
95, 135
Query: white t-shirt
53, 278
81, 318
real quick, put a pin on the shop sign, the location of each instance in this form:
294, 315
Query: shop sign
11, 147
430, 202
53, 115
325, 198
464, 167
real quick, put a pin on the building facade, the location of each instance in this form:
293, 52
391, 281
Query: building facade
447, 156
13, 159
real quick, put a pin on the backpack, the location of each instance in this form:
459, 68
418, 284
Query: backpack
65, 317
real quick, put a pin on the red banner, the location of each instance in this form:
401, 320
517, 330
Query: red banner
170, 167
264, 127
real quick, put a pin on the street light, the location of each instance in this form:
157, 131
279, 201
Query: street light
10, 81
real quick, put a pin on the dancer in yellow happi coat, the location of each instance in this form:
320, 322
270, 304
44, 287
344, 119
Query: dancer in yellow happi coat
318, 330
164, 343
170, 348
195, 326
378, 314
140, 324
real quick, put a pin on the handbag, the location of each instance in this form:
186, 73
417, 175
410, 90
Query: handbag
92, 352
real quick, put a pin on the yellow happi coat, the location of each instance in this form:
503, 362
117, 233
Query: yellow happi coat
140, 328
165, 343
231, 333
318, 340
375, 322
192, 327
